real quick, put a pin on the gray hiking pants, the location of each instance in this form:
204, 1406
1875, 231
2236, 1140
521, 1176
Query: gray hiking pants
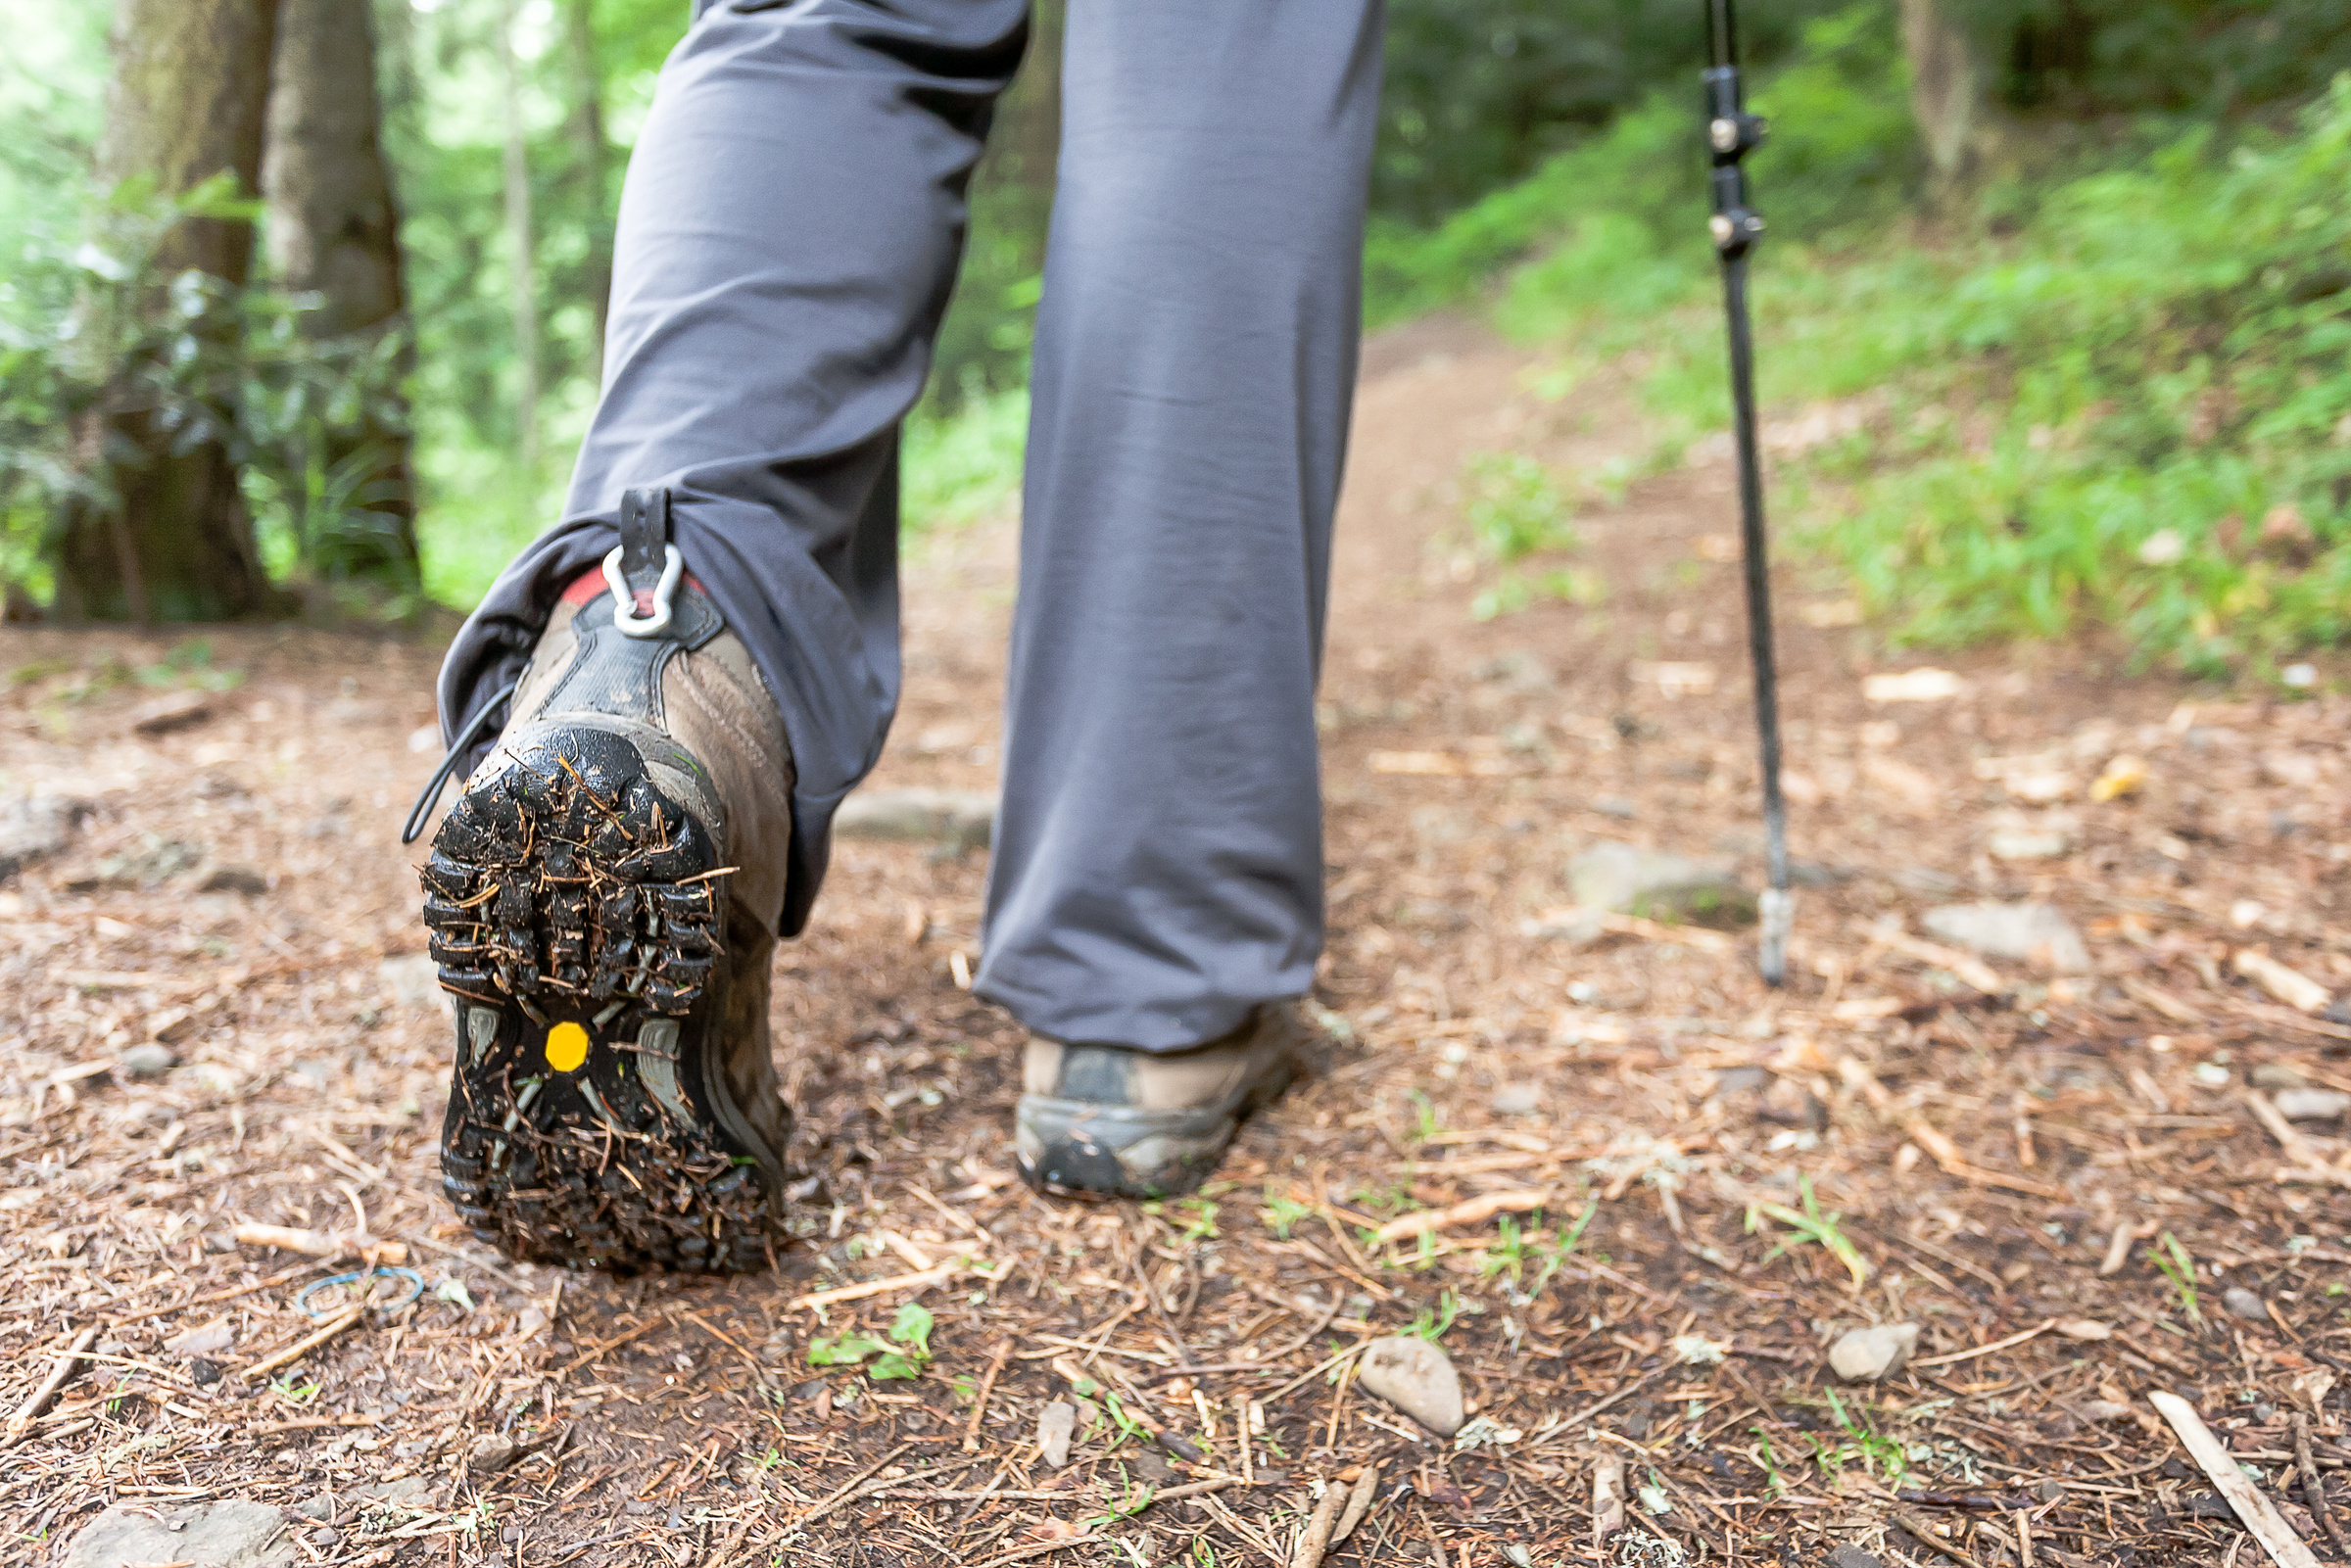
787, 237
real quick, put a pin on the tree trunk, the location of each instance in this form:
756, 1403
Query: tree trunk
1947, 88
187, 99
595, 156
334, 230
521, 262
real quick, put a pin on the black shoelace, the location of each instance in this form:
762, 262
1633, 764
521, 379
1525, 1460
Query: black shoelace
423, 811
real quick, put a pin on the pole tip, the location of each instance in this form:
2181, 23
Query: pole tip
1778, 909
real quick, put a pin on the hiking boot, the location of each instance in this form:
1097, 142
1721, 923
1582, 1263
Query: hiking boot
600, 900
1103, 1118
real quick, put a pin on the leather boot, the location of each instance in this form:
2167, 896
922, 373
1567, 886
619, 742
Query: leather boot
1103, 1118
600, 899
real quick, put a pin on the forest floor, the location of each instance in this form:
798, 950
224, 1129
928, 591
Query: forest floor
2068, 1168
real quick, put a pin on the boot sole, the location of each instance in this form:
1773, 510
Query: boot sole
1079, 1146
578, 921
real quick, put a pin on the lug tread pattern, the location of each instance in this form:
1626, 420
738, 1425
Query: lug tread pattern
565, 889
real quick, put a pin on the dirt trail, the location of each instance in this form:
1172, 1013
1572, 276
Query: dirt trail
1985, 1127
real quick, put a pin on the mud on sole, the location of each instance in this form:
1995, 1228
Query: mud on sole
578, 924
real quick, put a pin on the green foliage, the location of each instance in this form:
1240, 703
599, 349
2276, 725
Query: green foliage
1512, 507
2084, 57
1478, 92
1281, 1214
2173, 1262
1565, 1249
964, 465
1881, 1456
2135, 412
903, 1356
1611, 230
1810, 1224
1431, 1323
93, 333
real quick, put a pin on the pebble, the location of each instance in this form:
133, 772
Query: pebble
1518, 1100
233, 1534
491, 1453
1853, 1556
962, 817
244, 880
1418, 1378
1659, 886
150, 1060
31, 828
326, 1536
2275, 1075
2244, 1304
320, 1507
2017, 844
2312, 1104
2035, 933
1866, 1355
1055, 1426
180, 710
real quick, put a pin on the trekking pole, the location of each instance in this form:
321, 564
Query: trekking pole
1731, 131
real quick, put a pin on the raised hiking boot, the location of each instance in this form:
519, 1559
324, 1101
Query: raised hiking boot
600, 899
1126, 1123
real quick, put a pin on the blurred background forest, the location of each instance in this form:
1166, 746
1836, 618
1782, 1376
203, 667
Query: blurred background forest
300, 301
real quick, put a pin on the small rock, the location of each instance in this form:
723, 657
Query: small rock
320, 1507
2035, 933
1616, 806
325, 1536
1518, 1100
2276, 1075
638, 1508
1659, 886
2102, 1411
210, 1339
149, 1061
235, 880
1577, 928
181, 711
1739, 1080
31, 828
235, 1534
2244, 1304
2312, 1104
202, 1372
409, 1491
1853, 1556
1152, 1465
1866, 1355
1418, 1378
2013, 843
1055, 1426
965, 818
491, 1453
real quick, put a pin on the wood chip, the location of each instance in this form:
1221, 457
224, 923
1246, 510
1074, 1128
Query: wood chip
61, 1373
2288, 986
1469, 1212
2253, 1507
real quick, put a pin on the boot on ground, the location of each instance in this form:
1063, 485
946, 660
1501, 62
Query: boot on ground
1106, 1119
600, 899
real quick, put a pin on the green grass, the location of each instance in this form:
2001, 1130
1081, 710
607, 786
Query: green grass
2114, 393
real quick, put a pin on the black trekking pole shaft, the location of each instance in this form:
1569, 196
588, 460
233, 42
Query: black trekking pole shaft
1731, 133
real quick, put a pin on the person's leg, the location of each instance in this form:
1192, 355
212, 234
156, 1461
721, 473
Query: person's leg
1158, 872
787, 237
604, 894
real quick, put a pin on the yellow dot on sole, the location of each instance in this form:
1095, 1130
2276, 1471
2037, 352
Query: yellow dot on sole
566, 1047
